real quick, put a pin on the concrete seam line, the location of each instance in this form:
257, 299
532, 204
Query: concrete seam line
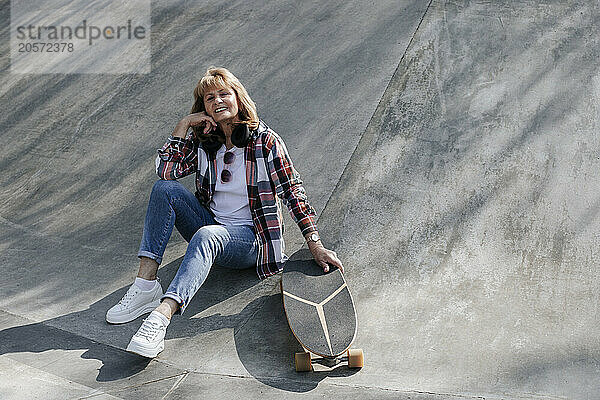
287, 380
175, 385
184, 375
462, 396
335, 189
503, 396
115, 391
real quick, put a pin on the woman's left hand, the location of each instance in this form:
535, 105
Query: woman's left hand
324, 257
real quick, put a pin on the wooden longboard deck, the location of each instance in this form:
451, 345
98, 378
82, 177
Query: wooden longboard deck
319, 307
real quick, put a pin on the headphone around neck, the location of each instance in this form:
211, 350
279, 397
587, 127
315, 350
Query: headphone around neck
239, 137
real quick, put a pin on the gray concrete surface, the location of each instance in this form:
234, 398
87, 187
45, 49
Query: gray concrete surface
450, 148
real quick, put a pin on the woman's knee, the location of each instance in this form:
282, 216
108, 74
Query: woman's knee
206, 236
164, 187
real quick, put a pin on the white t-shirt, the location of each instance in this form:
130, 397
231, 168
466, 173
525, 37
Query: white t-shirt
230, 200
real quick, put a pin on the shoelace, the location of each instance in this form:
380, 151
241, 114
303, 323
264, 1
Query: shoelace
129, 295
149, 329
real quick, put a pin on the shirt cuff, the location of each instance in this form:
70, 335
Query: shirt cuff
308, 228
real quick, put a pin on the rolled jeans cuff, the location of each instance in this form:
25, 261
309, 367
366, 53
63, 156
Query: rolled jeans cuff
147, 254
177, 299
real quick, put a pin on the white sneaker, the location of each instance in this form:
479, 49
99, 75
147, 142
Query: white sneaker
149, 340
135, 303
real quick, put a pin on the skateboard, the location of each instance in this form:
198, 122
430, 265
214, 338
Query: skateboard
321, 314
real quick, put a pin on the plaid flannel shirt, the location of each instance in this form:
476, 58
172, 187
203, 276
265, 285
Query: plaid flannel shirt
270, 175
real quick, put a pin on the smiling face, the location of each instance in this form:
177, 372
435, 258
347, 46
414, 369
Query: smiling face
221, 104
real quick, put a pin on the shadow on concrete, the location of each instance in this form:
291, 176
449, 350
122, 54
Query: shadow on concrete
39, 338
261, 357
267, 350
117, 364
263, 340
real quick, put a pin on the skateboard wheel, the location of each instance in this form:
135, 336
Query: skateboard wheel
355, 358
303, 363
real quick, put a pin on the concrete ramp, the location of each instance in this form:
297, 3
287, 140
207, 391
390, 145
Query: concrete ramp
450, 149
469, 210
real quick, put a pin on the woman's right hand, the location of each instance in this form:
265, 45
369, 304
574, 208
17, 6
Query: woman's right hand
195, 119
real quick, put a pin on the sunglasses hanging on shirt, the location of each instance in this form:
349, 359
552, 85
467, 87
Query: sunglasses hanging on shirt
228, 159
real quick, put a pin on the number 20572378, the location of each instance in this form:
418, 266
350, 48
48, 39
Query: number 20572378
43, 47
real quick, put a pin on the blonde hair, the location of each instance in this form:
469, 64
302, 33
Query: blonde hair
219, 78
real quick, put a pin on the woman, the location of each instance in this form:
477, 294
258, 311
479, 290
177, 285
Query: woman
242, 170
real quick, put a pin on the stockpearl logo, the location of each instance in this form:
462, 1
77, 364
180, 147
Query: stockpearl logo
80, 36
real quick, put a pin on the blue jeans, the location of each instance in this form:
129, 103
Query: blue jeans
171, 204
